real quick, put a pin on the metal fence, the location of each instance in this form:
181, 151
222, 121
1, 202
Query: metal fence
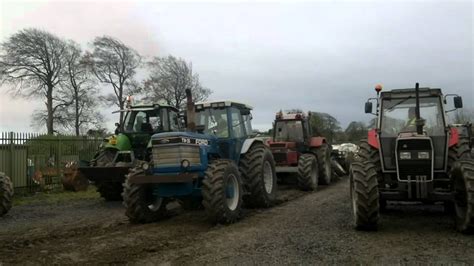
36, 162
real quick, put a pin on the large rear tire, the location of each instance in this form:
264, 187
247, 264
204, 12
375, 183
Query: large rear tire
459, 151
462, 175
364, 195
141, 206
6, 194
257, 168
308, 172
323, 154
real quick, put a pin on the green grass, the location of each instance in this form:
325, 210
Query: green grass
55, 197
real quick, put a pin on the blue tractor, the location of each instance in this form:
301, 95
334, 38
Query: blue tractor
216, 162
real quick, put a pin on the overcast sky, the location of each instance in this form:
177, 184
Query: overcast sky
320, 56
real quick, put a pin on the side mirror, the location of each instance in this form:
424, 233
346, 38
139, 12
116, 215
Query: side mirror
458, 102
117, 124
245, 112
368, 107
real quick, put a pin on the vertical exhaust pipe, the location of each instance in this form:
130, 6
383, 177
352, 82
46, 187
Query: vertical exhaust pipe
419, 122
190, 112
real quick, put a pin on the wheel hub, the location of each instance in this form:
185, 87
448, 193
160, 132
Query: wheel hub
268, 177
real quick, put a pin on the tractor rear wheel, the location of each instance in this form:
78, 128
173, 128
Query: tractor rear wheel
323, 154
459, 151
462, 175
308, 172
141, 206
364, 195
6, 194
222, 192
257, 168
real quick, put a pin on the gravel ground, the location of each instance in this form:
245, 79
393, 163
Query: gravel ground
305, 228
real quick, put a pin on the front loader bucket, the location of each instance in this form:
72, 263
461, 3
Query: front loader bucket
105, 173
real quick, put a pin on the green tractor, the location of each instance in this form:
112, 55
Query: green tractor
131, 142
6, 194
216, 162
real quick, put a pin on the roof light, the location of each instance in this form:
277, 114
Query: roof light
378, 88
221, 104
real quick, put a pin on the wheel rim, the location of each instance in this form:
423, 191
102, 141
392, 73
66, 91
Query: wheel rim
268, 177
232, 192
156, 204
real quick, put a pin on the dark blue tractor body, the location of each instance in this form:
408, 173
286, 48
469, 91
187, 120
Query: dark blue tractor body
220, 166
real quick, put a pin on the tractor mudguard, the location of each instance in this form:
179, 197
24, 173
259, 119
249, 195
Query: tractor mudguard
248, 143
372, 138
119, 142
315, 142
453, 137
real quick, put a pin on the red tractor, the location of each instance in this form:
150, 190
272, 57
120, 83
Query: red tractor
412, 155
296, 151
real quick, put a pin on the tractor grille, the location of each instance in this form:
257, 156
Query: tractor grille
278, 145
415, 169
173, 155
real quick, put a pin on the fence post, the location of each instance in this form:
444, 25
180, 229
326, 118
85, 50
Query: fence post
10, 170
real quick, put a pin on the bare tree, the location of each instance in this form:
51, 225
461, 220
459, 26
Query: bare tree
31, 61
114, 63
80, 85
169, 79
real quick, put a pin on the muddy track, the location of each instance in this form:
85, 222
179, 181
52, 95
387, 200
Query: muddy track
305, 228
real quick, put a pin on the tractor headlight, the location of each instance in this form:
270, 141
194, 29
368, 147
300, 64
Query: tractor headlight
405, 155
185, 164
423, 155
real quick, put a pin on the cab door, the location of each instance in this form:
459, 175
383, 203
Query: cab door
238, 133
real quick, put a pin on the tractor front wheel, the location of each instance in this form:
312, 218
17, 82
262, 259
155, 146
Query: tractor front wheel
257, 169
6, 194
462, 175
308, 172
141, 206
364, 195
324, 160
222, 192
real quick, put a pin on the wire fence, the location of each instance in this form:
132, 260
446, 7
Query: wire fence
36, 162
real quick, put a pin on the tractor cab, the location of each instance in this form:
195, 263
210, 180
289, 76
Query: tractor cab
140, 123
291, 135
227, 121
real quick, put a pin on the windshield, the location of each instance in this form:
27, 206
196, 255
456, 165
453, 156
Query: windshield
289, 131
150, 121
214, 121
398, 115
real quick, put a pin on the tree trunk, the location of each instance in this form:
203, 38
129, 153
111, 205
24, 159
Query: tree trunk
49, 107
76, 101
121, 102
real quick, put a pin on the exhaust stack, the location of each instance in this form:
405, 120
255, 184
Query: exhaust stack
419, 122
190, 112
